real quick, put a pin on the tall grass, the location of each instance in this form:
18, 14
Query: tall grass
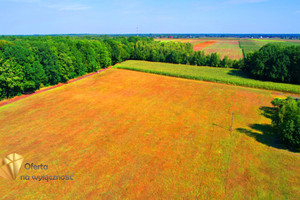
213, 74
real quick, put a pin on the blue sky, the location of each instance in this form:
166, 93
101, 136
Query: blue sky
151, 16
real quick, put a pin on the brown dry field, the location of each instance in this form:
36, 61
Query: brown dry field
133, 135
200, 46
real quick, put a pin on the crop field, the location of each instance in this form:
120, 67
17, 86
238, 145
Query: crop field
228, 48
202, 45
224, 47
185, 40
255, 44
251, 45
132, 135
213, 74
233, 48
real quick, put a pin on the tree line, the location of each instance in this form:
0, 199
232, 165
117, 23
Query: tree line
275, 62
28, 63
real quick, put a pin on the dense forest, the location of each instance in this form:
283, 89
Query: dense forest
28, 63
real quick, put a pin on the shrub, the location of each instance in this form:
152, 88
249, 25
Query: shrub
286, 121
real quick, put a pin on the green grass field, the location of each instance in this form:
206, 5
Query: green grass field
251, 46
255, 44
213, 74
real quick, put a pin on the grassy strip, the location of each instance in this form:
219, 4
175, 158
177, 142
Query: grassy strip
250, 46
213, 74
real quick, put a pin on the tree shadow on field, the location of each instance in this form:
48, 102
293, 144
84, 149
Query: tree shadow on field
239, 73
267, 111
245, 75
224, 127
264, 133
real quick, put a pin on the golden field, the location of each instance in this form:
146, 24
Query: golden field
133, 135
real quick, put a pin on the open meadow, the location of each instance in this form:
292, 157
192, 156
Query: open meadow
149, 100
133, 135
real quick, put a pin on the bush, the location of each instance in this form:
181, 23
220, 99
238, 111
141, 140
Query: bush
286, 121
